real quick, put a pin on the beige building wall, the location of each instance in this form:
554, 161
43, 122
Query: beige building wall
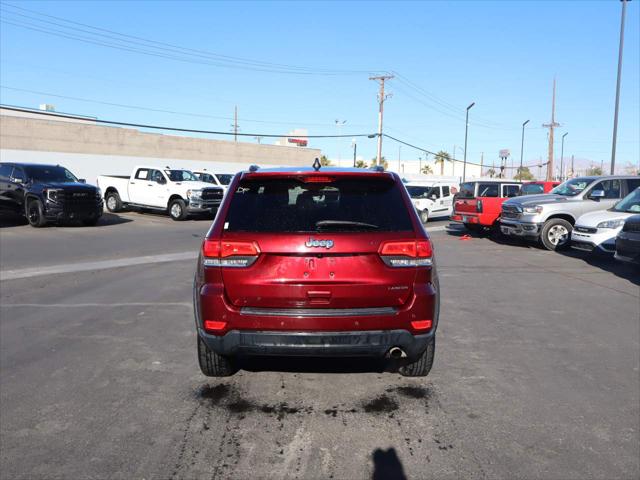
61, 135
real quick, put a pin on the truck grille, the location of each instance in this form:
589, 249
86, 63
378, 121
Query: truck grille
631, 227
212, 194
79, 200
586, 230
510, 211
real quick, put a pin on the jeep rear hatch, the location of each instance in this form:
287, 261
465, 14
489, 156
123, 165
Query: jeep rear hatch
331, 241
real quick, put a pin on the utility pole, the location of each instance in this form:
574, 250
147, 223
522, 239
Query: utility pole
615, 115
481, 162
355, 150
551, 126
235, 124
572, 170
381, 99
258, 139
399, 148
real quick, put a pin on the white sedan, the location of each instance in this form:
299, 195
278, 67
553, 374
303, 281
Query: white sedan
596, 231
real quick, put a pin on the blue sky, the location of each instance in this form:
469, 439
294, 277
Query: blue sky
501, 55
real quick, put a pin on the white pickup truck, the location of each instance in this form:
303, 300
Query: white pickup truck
175, 191
222, 180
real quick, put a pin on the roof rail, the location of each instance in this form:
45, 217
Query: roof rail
254, 168
377, 168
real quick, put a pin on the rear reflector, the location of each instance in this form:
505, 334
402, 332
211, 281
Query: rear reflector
213, 325
413, 253
229, 254
421, 324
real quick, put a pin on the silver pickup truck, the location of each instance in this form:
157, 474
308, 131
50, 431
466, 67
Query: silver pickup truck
550, 218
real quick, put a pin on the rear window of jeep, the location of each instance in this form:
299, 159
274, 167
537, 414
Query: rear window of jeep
293, 205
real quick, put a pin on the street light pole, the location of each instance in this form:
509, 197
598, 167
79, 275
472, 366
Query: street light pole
522, 148
355, 149
466, 130
562, 158
615, 115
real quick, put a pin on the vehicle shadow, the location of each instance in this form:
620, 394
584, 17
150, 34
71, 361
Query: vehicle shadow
12, 221
316, 364
198, 217
607, 263
494, 235
387, 465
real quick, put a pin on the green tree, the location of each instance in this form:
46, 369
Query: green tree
427, 170
491, 172
442, 157
383, 162
324, 161
594, 171
361, 164
524, 174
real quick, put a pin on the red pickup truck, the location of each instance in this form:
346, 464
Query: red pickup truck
479, 203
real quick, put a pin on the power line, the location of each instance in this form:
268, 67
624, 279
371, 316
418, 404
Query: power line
176, 129
163, 48
158, 110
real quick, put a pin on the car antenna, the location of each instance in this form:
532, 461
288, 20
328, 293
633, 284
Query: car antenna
316, 164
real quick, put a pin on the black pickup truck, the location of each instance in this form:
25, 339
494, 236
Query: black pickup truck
47, 194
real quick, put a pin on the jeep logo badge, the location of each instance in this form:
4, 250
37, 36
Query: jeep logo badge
312, 242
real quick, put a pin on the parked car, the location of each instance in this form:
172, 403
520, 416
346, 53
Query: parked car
597, 231
550, 218
537, 187
477, 204
47, 194
432, 199
628, 241
222, 180
164, 189
316, 263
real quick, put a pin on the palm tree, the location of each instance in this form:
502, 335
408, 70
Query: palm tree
427, 170
491, 172
361, 164
324, 161
442, 157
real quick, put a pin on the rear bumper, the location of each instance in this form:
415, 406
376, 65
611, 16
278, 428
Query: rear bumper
373, 343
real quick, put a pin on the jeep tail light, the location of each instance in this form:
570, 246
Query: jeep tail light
218, 253
479, 206
317, 179
413, 253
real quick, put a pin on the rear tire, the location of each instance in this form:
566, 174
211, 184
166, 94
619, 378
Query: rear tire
35, 213
422, 366
212, 364
556, 234
113, 202
472, 227
178, 210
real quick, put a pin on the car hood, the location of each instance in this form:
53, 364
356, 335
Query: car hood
73, 185
592, 219
196, 185
542, 199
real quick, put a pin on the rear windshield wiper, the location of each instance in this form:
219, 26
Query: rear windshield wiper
346, 224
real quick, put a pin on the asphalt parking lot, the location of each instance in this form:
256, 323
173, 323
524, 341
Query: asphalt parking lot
537, 370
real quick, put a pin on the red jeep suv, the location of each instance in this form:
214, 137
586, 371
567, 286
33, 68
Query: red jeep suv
303, 262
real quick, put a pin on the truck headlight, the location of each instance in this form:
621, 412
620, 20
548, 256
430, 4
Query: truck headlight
533, 210
611, 223
194, 194
53, 194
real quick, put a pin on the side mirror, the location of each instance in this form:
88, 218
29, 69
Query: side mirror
82, 180
18, 180
161, 181
597, 194
433, 196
